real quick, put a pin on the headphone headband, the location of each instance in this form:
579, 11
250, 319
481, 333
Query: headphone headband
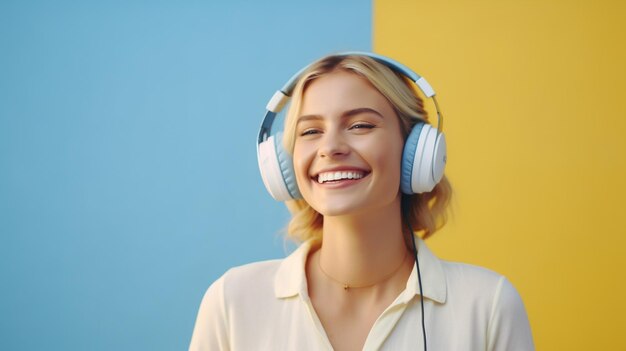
282, 96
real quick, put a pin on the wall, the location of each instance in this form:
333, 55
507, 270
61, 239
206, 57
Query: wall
128, 172
532, 93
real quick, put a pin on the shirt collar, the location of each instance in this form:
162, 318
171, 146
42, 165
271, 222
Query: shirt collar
433, 276
290, 279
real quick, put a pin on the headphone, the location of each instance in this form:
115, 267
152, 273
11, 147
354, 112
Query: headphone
423, 157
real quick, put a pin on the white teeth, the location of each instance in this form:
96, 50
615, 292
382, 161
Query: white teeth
333, 176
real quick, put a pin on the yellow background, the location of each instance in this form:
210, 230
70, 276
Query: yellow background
533, 93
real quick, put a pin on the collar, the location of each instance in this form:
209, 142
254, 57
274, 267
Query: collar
290, 279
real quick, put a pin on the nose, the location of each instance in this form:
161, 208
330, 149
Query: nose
333, 144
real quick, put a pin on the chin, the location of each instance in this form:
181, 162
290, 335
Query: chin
336, 208
336, 212
346, 209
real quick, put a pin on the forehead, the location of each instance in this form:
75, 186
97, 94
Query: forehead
336, 92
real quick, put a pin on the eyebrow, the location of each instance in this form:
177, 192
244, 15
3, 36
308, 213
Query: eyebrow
346, 114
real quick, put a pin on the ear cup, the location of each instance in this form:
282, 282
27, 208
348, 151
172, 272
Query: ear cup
423, 159
277, 169
408, 159
423, 182
286, 168
440, 158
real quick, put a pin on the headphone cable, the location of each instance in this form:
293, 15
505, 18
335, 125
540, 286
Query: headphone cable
419, 280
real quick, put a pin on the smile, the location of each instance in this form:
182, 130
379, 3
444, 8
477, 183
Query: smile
339, 175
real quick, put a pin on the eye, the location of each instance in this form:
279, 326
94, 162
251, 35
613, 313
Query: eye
309, 131
362, 125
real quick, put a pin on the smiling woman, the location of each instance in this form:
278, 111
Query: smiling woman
389, 90
362, 172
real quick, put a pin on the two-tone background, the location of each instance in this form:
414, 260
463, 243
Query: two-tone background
128, 174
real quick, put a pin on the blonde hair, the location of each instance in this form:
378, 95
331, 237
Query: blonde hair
426, 212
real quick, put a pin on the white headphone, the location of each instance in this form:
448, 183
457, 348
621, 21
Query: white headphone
423, 158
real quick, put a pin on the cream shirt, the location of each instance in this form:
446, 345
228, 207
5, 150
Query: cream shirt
266, 306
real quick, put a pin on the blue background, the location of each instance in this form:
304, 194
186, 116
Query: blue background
128, 172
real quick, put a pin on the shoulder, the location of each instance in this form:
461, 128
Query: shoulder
470, 277
237, 292
263, 280
478, 284
495, 302
252, 272
246, 280
239, 286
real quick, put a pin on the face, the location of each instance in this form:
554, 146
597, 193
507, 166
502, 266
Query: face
348, 147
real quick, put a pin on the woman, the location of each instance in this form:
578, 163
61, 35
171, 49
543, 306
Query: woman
368, 180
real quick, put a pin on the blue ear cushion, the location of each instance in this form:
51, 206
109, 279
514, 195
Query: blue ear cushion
286, 167
408, 158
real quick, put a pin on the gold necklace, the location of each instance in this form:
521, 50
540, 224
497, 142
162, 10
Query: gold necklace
347, 286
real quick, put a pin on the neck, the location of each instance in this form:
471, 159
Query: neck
363, 249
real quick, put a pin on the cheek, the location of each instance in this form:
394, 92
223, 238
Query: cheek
390, 161
301, 163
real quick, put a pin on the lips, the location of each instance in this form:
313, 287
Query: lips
339, 175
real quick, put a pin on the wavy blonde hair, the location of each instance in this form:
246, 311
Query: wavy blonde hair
426, 212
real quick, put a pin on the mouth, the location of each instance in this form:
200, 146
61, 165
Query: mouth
338, 176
